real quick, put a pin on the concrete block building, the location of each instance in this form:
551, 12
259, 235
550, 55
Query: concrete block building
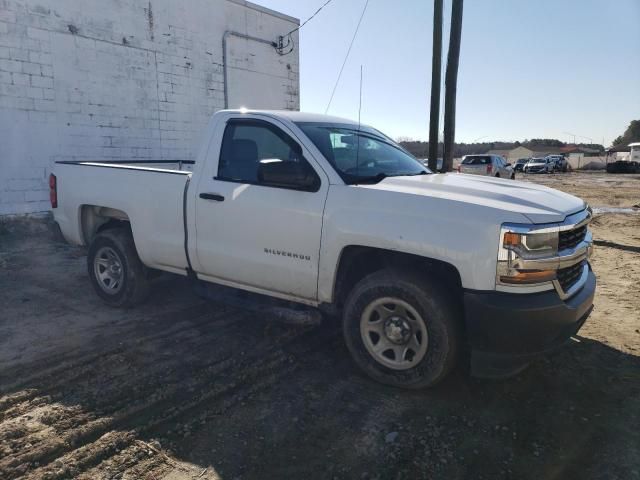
128, 79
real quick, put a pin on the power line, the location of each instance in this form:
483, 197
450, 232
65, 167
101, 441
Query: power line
307, 20
355, 34
280, 48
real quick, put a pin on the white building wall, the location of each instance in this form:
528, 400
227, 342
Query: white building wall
125, 79
578, 161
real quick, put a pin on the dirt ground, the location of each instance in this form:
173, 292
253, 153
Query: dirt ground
186, 389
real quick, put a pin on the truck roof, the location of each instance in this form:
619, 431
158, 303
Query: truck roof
295, 116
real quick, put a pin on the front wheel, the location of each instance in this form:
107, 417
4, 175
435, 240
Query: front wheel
402, 329
116, 272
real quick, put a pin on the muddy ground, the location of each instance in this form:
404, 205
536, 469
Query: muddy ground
186, 389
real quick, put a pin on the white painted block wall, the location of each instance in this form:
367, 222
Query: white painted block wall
125, 79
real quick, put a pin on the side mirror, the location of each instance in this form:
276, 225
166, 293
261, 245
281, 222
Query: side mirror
508, 164
288, 174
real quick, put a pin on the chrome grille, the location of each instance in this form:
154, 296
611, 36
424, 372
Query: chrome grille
567, 277
571, 238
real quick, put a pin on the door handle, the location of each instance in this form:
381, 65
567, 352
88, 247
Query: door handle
212, 196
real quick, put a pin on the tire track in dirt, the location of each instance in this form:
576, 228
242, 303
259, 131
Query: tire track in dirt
76, 442
113, 398
72, 367
230, 379
138, 460
91, 453
57, 389
74, 370
72, 360
111, 361
85, 457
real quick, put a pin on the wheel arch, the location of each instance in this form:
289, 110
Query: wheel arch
356, 262
95, 219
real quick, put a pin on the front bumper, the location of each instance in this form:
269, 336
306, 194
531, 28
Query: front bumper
506, 330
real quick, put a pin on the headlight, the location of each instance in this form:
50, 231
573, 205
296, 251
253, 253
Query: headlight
530, 257
524, 244
532, 245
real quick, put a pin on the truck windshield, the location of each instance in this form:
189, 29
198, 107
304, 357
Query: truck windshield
361, 155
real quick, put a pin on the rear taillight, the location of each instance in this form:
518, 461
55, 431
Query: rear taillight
489, 168
53, 191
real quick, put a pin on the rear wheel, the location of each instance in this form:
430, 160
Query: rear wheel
402, 329
116, 272
497, 175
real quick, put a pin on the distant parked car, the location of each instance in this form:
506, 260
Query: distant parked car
539, 165
560, 163
623, 166
488, 165
519, 165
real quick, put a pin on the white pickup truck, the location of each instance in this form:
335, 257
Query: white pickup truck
335, 216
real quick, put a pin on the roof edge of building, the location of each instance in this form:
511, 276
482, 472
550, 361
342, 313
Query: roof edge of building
268, 11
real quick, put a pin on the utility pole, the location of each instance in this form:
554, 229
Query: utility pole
436, 68
450, 84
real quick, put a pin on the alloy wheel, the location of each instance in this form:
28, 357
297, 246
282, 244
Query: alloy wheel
108, 270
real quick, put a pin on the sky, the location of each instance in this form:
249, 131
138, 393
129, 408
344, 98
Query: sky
528, 68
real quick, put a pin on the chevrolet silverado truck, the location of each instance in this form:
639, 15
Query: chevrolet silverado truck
332, 216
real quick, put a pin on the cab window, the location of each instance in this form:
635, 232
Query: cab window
259, 153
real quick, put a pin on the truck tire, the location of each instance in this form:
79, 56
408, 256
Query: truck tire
117, 274
402, 329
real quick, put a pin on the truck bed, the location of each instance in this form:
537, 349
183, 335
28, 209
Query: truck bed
149, 193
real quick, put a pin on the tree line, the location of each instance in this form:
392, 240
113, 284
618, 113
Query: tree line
630, 135
420, 149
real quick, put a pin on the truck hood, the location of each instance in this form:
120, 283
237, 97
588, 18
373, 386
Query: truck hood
537, 203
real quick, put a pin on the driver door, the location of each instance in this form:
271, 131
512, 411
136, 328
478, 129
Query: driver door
257, 231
